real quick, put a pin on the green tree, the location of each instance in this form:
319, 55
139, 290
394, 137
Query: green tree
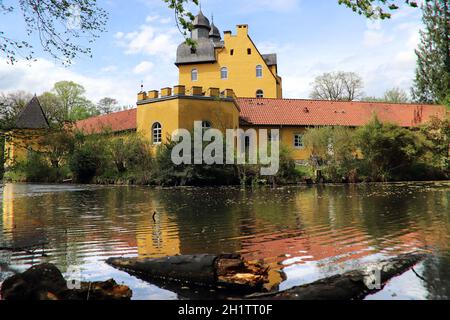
432, 82
334, 150
88, 160
75, 106
437, 132
2, 156
11, 105
52, 106
394, 95
376, 8
389, 151
64, 29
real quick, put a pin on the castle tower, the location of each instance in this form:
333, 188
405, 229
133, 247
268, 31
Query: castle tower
232, 63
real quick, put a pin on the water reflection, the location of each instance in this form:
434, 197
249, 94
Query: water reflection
307, 232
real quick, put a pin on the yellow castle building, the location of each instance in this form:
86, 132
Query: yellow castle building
232, 63
229, 84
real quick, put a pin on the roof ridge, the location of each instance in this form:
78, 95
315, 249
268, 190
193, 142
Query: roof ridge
106, 115
342, 101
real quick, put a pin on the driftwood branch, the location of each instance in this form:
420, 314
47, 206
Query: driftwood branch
219, 271
353, 285
231, 272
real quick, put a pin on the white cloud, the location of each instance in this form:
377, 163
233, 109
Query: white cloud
37, 77
143, 67
384, 58
153, 38
108, 69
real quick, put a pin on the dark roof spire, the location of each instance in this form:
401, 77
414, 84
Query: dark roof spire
32, 116
214, 34
201, 21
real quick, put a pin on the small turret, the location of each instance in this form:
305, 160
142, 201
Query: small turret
214, 34
201, 27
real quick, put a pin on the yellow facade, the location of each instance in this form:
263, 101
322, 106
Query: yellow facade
20, 142
287, 139
181, 111
241, 58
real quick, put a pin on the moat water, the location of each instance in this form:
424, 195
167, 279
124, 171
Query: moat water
309, 233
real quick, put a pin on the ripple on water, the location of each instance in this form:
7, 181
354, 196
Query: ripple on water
309, 233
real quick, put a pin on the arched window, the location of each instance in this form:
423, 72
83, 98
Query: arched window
260, 94
259, 71
224, 73
156, 133
194, 75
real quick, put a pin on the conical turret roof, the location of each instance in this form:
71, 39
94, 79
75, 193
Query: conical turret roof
32, 116
201, 21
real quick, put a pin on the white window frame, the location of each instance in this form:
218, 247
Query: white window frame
194, 72
224, 70
298, 143
259, 71
156, 133
260, 93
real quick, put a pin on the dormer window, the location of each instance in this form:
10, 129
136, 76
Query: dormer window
259, 71
224, 73
194, 75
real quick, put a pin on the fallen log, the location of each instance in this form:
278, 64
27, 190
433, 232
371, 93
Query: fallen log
45, 282
353, 285
227, 271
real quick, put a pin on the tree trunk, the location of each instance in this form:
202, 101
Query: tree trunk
227, 270
353, 285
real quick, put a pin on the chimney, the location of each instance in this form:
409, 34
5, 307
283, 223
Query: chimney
242, 30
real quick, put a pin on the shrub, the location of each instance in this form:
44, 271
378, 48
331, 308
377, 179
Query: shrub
36, 168
131, 158
389, 151
88, 160
166, 173
2, 156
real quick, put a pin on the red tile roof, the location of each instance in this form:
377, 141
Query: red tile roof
294, 112
116, 122
315, 112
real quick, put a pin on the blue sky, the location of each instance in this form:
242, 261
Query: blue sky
309, 36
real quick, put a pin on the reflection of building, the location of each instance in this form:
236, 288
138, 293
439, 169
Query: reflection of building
8, 212
158, 237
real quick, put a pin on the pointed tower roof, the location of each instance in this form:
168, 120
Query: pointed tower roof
201, 21
32, 116
214, 34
